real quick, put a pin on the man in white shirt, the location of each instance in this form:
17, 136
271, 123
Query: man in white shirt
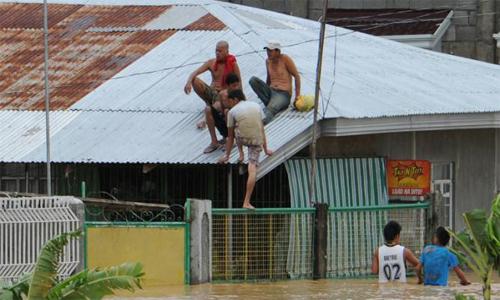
389, 260
244, 121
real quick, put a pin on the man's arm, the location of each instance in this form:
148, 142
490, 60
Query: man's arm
202, 69
219, 102
375, 262
268, 78
419, 273
290, 65
461, 276
410, 257
237, 72
229, 146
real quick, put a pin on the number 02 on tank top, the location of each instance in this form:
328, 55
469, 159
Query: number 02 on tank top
391, 264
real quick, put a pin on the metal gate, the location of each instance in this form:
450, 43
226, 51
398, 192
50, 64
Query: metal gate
26, 224
442, 182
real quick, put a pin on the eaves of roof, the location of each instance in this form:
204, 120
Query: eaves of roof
350, 127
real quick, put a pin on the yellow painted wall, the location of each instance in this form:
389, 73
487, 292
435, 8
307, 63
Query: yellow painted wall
160, 250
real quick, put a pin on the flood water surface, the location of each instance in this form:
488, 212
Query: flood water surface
309, 289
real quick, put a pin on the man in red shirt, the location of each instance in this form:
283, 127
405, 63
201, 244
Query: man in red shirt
219, 67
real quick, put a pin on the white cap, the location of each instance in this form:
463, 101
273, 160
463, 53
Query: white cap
273, 45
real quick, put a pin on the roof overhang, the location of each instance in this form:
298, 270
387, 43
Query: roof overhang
346, 127
351, 127
288, 150
425, 41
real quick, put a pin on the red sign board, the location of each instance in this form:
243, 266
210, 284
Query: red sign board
408, 177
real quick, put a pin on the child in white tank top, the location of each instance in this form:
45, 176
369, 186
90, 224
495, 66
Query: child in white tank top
389, 260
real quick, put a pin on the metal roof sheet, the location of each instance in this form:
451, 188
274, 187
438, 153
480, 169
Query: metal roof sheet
24, 131
79, 64
170, 19
87, 46
17, 15
122, 137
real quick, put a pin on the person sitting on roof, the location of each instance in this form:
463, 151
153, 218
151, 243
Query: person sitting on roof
215, 115
220, 67
244, 120
276, 92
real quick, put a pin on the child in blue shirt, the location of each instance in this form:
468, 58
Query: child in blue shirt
437, 260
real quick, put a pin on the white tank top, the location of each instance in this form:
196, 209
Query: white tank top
391, 264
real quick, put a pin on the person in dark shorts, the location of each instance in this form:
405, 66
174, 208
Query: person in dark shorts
219, 67
215, 113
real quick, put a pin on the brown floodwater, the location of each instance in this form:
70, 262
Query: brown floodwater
309, 289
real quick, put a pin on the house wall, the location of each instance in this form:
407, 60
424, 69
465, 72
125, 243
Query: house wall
470, 34
477, 165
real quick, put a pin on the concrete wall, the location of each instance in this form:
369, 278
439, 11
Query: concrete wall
472, 151
470, 34
160, 249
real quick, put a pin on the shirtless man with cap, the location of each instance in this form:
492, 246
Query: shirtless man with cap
276, 92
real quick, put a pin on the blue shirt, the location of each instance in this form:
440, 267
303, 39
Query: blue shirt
437, 261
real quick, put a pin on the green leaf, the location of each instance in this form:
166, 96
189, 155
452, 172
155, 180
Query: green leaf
493, 229
463, 243
16, 290
480, 243
6, 294
476, 223
57, 290
45, 272
464, 297
95, 284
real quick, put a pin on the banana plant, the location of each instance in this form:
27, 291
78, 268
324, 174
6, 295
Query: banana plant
478, 246
42, 283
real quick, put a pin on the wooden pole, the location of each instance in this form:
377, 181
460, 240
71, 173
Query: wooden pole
316, 101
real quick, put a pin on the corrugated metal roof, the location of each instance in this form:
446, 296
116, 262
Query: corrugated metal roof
207, 22
15, 15
170, 19
87, 46
23, 131
139, 113
79, 64
158, 81
118, 137
254, 19
110, 16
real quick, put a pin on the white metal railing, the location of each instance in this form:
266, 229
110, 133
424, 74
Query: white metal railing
26, 224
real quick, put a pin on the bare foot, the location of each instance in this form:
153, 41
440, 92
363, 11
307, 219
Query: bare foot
249, 206
201, 124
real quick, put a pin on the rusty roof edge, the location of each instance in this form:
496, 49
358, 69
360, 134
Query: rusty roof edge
116, 2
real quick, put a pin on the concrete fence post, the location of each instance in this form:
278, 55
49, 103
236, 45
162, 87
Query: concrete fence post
320, 241
201, 241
